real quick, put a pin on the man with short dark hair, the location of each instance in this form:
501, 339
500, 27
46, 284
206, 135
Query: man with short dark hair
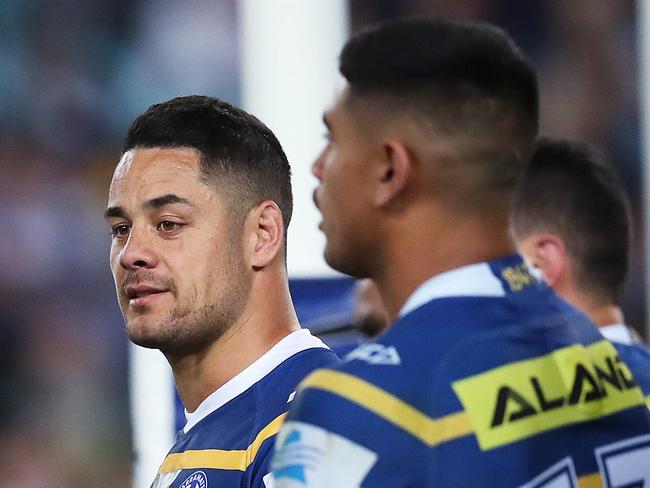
486, 377
198, 208
570, 218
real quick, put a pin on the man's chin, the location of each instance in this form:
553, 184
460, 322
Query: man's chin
167, 339
145, 340
147, 343
338, 262
145, 334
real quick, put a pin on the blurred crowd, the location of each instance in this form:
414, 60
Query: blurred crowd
74, 74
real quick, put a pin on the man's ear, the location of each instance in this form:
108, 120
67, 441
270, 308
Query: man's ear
395, 170
548, 253
266, 236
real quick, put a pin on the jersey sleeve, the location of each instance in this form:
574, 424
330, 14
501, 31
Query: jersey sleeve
336, 434
313, 450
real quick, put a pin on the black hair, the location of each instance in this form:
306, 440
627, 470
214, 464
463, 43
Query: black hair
468, 78
237, 151
570, 190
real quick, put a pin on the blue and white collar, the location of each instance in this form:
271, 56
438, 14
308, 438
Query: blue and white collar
292, 344
474, 280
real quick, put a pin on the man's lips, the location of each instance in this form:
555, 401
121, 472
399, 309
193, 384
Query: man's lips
143, 294
315, 198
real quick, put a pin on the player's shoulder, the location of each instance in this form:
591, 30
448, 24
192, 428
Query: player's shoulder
289, 363
349, 415
637, 358
374, 375
318, 355
639, 351
257, 398
382, 360
299, 356
231, 444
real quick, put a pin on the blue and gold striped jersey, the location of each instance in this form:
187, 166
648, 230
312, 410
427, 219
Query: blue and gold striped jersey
228, 439
486, 379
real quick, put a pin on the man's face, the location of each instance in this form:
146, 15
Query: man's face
176, 259
343, 170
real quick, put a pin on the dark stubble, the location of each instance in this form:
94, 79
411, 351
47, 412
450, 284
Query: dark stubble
185, 330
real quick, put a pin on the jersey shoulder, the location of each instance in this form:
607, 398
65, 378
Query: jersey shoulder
232, 445
637, 357
512, 388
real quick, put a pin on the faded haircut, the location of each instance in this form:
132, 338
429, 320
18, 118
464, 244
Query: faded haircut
571, 191
468, 81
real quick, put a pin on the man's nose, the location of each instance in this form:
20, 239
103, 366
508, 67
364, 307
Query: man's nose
317, 165
138, 251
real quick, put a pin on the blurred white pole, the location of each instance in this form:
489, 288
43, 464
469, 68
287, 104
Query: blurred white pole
152, 412
643, 29
289, 61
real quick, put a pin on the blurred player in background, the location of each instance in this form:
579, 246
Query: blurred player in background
369, 314
570, 218
486, 377
198, 208
369, 319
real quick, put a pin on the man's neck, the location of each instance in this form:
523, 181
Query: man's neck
258, 329
418, 257
604, 315
601, 310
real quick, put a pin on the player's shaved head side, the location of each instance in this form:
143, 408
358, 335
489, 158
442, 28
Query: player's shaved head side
238, 153
569, 190
466, 84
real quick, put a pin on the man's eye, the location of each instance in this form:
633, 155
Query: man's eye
120, 230
168, 226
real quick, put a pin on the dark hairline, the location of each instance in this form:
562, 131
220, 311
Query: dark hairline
196, 123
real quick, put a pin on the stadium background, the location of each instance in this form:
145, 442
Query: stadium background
73, 75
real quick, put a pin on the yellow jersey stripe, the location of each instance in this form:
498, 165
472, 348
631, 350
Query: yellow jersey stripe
391, 408
236, 459
647, 401
590, 481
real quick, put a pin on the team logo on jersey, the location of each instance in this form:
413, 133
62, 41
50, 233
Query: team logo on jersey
518, 277
198, 479
290, 464
572, 384
307, 455
375, 354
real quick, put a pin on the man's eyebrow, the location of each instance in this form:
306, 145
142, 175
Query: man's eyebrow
168, 199
154, 203
117, 212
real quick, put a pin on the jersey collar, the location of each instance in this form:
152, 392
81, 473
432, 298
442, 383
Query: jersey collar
292, 344
618, 333
484, 279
